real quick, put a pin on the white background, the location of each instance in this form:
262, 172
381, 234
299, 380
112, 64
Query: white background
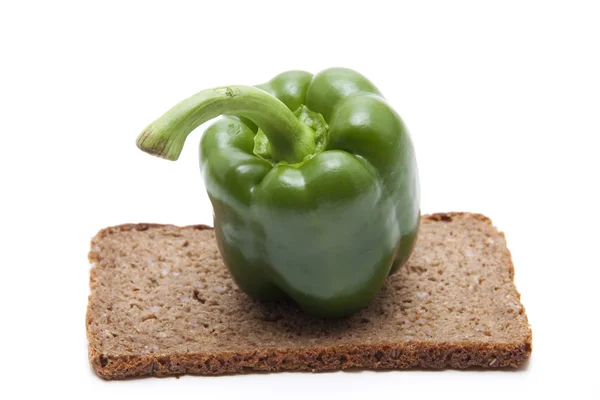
502, 100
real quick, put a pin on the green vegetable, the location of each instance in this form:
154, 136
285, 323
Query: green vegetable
313, 181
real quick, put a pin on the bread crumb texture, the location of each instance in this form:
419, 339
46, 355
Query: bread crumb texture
162, 303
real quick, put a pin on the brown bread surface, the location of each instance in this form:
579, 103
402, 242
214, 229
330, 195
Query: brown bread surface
162, 303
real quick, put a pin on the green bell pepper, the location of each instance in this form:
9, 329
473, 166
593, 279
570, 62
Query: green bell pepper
313, 181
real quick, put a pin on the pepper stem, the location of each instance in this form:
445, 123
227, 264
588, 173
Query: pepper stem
290, 139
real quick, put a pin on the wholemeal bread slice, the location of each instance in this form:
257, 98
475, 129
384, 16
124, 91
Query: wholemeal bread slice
162, 303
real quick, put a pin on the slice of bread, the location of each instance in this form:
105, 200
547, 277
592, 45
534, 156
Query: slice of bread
162, 303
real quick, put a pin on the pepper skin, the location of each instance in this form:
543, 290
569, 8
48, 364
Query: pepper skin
313, 182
